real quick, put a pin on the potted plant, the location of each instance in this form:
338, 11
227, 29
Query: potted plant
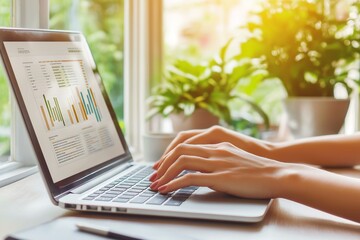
198, 95
308, 52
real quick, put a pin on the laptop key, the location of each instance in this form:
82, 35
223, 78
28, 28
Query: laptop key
115, 192
182, 195
143, 184
137, 179
150, 191
89, 198
158, 199
103, 199
110, 195
130, 182
139, 199
139, 187
125, 186
173, 202
121, 200
126, 196
186, 191
130, 194
134, 190
146, 195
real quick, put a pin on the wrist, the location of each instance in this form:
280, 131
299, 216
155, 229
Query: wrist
257, 147
293, 179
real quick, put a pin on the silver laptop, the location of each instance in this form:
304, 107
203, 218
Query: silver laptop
82, 154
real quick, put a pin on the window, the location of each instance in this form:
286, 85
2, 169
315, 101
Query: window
102, 23
5, 10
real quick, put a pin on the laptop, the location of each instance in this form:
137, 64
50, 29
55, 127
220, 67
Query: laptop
82, 154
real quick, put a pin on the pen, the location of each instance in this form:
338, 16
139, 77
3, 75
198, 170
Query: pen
103, 231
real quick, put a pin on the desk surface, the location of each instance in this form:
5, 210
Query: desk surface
25, 204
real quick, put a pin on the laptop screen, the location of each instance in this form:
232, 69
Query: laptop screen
64, 98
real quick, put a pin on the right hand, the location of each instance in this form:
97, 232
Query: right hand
211, 135
222, 167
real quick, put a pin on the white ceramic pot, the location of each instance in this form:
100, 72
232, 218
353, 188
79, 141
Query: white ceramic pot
155, 145
200, 119
314, 116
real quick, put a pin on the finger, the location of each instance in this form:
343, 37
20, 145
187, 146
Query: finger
180, 150
197, 139
190, 179
205, 153
191, 163
222, 149
180, 138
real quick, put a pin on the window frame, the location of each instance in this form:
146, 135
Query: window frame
142, 65
22, 161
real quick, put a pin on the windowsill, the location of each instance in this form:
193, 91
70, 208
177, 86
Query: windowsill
12, 171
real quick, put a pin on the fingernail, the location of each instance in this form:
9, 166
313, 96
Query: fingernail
156, 165
162, 188
154, 185
153, 177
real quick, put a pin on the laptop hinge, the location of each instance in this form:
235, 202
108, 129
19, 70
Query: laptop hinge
98, 180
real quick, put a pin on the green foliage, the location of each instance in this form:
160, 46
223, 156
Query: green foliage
189, 86
246, 127
302, 47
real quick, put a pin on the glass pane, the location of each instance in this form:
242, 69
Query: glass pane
5, 10
101, 21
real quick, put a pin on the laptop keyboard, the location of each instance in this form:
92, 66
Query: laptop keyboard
134, 187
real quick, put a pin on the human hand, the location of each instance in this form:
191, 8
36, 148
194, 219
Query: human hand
211, 135
222, 167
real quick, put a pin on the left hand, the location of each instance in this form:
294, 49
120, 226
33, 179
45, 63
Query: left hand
222, 167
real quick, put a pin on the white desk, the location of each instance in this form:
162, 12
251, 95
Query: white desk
25, 204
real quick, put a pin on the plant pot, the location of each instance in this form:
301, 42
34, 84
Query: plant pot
200, 119
314, 116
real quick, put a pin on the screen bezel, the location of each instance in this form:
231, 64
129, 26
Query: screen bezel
58, 189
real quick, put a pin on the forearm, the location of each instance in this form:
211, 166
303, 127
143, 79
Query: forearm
329, 192
330, 151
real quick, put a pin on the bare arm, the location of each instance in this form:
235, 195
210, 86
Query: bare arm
320, 189
226, 168
329, 151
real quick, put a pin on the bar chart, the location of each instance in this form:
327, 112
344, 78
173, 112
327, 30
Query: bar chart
79, 106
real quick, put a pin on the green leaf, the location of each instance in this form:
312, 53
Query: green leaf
188, 108
224, 49
257, 108
168, 110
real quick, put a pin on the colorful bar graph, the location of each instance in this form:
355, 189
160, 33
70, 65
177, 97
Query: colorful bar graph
81, 106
